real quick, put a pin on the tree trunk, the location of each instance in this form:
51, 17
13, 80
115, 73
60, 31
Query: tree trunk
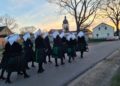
78, 27
117, 27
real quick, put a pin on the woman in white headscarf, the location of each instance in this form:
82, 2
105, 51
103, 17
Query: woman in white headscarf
81, 44
40, 52
15, 60
57, 50
28, 49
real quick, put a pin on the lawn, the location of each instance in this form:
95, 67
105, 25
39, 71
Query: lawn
116, 79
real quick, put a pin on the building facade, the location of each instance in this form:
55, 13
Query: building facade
4, 31
103, 31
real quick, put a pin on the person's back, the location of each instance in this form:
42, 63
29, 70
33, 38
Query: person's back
39, 43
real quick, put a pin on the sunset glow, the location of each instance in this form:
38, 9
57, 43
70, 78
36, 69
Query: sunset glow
39, 13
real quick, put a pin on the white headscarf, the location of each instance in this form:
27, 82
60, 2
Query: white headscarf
73, 36
26, 36
55, 34
45, 35
13, 38
69, 37
81, 34
37, 33
62, 35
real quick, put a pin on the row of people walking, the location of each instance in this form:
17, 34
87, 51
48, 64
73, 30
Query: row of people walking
16, 56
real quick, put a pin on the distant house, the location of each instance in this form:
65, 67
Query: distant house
103, 31
4, 31
53, 30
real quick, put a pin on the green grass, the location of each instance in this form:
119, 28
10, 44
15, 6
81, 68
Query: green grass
96, 40
116, 79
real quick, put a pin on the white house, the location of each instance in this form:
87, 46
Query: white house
103, 31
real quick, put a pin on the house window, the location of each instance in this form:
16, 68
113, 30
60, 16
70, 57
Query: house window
99, 28
97, 35
105, 28
108, 34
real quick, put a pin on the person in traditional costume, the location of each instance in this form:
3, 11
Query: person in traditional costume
81, 44
5, 57
15, 61
64, 44
28, 49
74, 43
57, 50
70, 47
48, 50
40, 51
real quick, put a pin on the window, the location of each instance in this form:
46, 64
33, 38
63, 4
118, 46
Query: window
105, 28
97, 35
108, 34
99, 28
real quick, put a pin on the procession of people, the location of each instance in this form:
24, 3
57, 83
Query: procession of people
18, 54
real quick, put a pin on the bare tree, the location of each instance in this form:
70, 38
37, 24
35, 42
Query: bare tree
8, 21
29, 29
81, 10
112, 10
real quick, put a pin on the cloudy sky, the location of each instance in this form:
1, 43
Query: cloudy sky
38, 13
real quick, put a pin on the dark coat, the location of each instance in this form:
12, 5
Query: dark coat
70, 48
81, 44
28, 50
6, 55
57, 50
47, 46
39, 49
16, 61
64, 45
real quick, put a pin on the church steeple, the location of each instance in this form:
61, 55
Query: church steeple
65, 24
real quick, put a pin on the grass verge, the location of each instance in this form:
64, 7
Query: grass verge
116, 79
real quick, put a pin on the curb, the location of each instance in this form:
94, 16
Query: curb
70, 82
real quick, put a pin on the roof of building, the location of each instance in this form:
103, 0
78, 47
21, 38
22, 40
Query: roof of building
53, 30
104, 24
2, 27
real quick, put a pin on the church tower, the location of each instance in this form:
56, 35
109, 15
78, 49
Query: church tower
65, 25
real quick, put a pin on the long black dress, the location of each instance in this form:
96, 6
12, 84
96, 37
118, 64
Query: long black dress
64, 46
82, 45
40, 52
16, 61
5, 59
70, 49
57, 50
28, 50
48, 50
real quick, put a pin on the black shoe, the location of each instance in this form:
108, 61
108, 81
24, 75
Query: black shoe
19, 73
41, 71
81, 57
50, 61
33, 66
45, 62
26, 76
2, 78
8, 81
56, 65
62, 63
69, 61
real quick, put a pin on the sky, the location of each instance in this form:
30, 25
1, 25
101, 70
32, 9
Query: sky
38, 13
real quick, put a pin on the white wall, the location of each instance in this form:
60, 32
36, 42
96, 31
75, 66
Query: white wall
102, 32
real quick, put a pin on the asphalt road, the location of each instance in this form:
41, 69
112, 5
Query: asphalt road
63, 74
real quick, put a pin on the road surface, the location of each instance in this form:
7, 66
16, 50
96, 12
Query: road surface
63, 74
